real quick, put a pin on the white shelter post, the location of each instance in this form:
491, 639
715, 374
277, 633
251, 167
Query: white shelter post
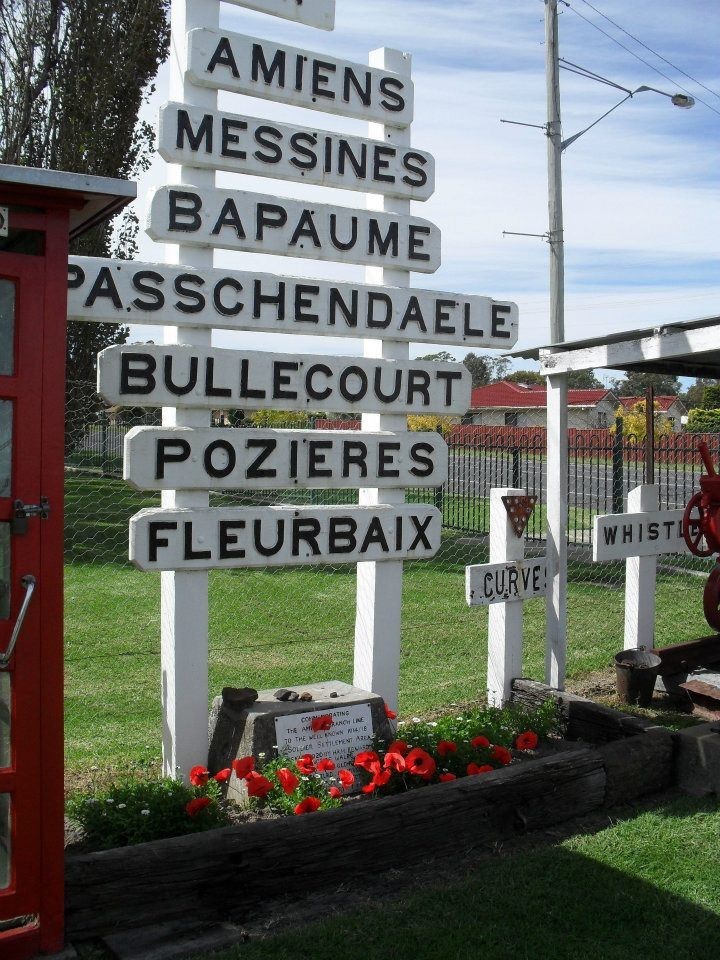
184, 595
557, 518
505, 634
640, 578
378, 615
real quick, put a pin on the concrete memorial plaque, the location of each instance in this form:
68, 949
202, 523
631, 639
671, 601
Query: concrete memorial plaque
617, 536
269, 727
487, 583
211, 458
273, 71
260, 223
128, 291
240, 537
149, 375
263, 148
313, 13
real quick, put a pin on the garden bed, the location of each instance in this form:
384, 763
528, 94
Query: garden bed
224, 874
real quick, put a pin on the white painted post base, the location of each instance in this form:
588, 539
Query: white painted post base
640, 578
557, 519
504, 619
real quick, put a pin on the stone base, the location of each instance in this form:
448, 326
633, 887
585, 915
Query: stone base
697, 763
250, 730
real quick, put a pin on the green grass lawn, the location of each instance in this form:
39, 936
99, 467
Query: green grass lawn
271, 628
647, 888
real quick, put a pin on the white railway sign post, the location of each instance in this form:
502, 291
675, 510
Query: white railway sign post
313, 13
127, 291
639, 537
503, 585
185, 458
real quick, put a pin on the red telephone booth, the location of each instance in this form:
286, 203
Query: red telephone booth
40, 210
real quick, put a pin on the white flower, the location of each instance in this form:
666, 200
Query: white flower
145, 813
94, 768
416, 720
91, 800
432, 724
109, 800
121, 806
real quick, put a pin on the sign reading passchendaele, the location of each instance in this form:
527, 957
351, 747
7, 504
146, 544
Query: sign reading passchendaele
260, 223
150, 375
127, 291
617, 536
313, 13
261, 68
239, 537
487, 583
263, 148
184, 458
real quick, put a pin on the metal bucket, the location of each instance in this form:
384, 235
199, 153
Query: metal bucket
636, 671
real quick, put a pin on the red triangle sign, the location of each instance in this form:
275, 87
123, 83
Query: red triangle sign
519, 511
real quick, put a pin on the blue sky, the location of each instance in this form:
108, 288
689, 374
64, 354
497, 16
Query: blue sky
641, 199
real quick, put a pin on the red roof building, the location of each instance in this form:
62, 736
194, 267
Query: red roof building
506, 403
670, 407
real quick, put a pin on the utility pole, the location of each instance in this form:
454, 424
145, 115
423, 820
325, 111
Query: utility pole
557, 451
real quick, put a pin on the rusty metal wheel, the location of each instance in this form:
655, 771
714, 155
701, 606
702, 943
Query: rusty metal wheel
692, 527
711, 598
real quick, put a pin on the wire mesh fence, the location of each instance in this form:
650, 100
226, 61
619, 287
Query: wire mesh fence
280, 609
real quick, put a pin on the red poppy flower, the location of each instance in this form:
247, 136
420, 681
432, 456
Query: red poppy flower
446, 777
196, 805
381, 777
479, 742
257, 784
390, 714
346, 778
325, 765
394, 761
445, 747
473, 768
308, 805
222, 775
369, 787
527, 740
365, 758
398, 746
305, 764
288, 780
243, 767
323, 722
420, 763
335, 793
502, 755
199, 776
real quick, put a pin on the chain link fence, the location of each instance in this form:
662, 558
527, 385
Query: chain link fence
286, 608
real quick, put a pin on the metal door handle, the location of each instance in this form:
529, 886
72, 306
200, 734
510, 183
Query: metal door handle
29, 583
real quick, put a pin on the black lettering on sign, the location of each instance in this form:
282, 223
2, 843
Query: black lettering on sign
414, 163
184, 211
227, 539
416, 241
345, 391
229, 217
188, 552
210, 389
269, 215
281, 368
350, 314
392, 88
297, 142
267, 137
375, 534
223, 309
317, 458
194, 140
258, 65
653, 531
261, 299
155, 542
386, 459
229, 451
76, 276
420, 528
449, 376
305, 531
197, 300
104, 286
354, 454
136, 367
305, 228
388, 243
303, 292
425, 467
336, 241
268, 550
610, 534
498, 322
372, 320
180, 389
413, 314
320, 78
246, 392
377, 386
310, 388
364, 92
223, 57
419, 382
229, 138
157, 297
266, 447
163, 454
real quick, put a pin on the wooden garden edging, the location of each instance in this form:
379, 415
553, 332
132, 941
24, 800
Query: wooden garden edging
223, 874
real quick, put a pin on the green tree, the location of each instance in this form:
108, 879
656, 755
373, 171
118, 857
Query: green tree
583, 380
442, 356
526, 376
485, 369
635, 383
73, 75
695, 394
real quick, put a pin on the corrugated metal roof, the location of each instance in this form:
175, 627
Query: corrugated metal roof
505, 393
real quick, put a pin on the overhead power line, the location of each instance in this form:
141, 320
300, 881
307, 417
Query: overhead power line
650, 49
636, 55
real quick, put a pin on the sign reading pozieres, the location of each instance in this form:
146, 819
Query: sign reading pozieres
149, 375
239, 537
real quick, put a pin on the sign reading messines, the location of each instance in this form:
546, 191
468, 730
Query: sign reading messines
184, 458
128, 291
313, 13
263, 148
617, 536
149, 375
260, 223
261, 68
240, 537
487, 583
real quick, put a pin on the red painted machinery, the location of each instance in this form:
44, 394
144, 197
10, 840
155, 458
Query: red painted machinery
701, 530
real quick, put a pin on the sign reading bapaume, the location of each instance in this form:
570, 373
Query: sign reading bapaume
313, 13
185, 458
261, 68
264, 148
150, 375
617, 536
228, 537
259, 223
127, 291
